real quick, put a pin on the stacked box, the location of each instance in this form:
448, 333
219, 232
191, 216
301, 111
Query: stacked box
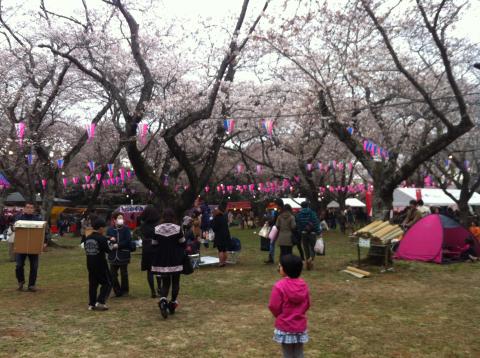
29, 237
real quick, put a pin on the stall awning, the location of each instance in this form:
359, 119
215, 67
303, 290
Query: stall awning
239, 205
431, 197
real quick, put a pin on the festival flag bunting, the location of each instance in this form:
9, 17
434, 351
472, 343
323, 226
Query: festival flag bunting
240, 168
229, 125
44, 184
65, 182
60, 163
20, 129
259, 169
91, 165
350, 130
87, 178
90, 131
143, 133
267, 125
29, 159
122, 173
98, 176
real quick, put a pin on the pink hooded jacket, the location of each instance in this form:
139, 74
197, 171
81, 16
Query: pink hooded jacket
289, 301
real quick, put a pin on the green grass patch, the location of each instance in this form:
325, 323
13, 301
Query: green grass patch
419, 310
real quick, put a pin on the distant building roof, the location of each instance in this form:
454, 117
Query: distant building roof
18, 198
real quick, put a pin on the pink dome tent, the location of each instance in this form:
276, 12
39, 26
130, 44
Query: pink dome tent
432, 238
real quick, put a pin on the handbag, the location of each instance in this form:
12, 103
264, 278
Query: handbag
211, 235
187, 265
264, 244
296, 237
264, 231
319, 247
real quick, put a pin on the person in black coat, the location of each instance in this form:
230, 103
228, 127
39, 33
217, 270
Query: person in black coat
96, 246
150, 218
222, 233
169, 253
119, 258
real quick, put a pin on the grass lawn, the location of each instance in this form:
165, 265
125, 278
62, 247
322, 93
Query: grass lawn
420, 310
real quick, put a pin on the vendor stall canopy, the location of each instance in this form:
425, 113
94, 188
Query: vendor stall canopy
239, 205
432, 238
430, 197
352, 202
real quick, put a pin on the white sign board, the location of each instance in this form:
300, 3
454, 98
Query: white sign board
364, 243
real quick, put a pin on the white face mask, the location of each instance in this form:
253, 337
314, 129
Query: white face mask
120, 222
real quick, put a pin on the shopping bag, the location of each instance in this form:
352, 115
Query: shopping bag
273, 233
264, 231
319, 247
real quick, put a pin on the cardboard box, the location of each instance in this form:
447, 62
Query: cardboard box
29, 237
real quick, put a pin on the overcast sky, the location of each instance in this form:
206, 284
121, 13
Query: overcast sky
218, 10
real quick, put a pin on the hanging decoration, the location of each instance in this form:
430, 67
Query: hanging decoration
20, 129
65, 182
4, 183
240, 168
350, 130
60, 163
309, 167
229, 125
29, 159
122, 174
259, 169
98, 176
75, 180
44, 184
87, 178
91, 131
91, 165
143, 133
375, 150
267, 125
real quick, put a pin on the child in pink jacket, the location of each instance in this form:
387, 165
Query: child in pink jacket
289, 302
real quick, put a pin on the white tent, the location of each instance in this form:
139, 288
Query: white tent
295, 203
333, 204
352, 202
431, 197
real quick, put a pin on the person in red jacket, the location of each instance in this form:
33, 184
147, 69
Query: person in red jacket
289, 302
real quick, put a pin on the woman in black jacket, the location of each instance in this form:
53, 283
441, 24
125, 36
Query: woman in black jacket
169, 252
119, 258
222, 233
150, 218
